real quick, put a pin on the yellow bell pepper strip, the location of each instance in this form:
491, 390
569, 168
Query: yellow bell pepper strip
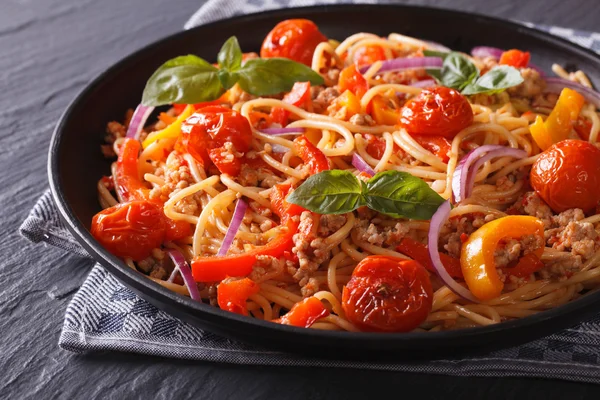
382, 113
559, 123
477, 255
350, 101
171, 131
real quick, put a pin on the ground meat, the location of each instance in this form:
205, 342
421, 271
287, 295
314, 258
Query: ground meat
332, 77
177, 176
377, 232
265, 268
533, 84
311, 249
458, 228
236, 94
322, 97
510, 251
505, 183
248, 176
561, 266
532, 204
156, 265
580, 238
260, 209
114, 131
362, 119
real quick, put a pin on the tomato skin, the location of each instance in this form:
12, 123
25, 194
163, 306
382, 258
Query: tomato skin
298, 96
367, 55
205, 133
515, 58
438, 145
130, 229
375, 146
566, 176
311, 155
438, 111
387, 294
295, 39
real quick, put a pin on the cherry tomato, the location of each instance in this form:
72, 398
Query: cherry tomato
515, 58
438, 145
438, 111
352, 80
375, 146
295, 39
130, 229
566, 176
233, 294
367, 55
206, 132
387, 294
298, 96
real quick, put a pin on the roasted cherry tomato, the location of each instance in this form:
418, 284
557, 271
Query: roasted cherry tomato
515, 58
233, 294
438, 145
438, 111
387, 294
375, 146
295, 39
566, 176
130, 229
352, 80
206, 134
367, 55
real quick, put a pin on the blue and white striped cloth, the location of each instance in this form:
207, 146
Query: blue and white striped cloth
106, 315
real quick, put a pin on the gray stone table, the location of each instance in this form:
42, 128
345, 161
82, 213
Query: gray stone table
49, 49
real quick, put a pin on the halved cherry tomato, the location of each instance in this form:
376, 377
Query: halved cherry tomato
515, 58
279, 204
387, 294
438, 145
206, 132
352, 80
304, 313
439, 111
299, 96
129, 186
295, 39
233, 294
130, 229
419, 252
566, 176
375, 146
367, 55
311, 155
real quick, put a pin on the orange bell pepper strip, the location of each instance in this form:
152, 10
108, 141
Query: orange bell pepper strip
419, 252
350, 101
311, 155
559, 123
477, 255
232, 295
382, 113
298, 96
304, 313
515, 58
352, 80
130, 187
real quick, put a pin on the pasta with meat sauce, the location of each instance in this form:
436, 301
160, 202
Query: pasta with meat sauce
381, 184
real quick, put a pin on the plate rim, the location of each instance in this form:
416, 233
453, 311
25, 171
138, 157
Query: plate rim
214, 315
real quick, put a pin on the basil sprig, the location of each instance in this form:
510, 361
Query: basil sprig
394, 193
458, 72
190, 79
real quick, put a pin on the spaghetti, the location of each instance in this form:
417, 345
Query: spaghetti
325, 249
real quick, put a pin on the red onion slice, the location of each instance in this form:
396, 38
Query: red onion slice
138, 120
555, 85
234, 226
424, 84
437, 221
278, 148
182, 266
461, 173
399, 64
503, 152
282, 131
361, 165
487, 51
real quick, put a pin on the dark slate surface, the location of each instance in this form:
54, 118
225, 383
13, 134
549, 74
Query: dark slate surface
48, 51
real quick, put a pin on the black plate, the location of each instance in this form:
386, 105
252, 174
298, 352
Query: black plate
75, 165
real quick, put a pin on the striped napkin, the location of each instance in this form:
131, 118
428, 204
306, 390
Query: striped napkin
106, 315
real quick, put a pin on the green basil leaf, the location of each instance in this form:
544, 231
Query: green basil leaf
267, 76
228, 79
435, 53
401, 195
495, 80
230, 55
458, 71
185, 79
329, 192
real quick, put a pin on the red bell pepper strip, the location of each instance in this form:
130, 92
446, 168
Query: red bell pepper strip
304, 313
311, 155
419, 252
515, 58
232, 295
298, 96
